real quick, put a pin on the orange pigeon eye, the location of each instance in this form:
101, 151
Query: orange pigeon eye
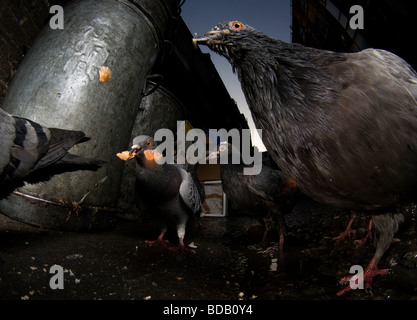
237, 25
149, 143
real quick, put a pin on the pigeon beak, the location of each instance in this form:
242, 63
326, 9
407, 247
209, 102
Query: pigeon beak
135, 149
210, 36
207, 36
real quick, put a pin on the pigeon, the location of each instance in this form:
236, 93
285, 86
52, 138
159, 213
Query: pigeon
342, 125
166, 191
269, 194
33, 153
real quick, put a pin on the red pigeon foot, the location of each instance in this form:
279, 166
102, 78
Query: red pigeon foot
181, 247
347, 233
368, 236
159, 241
368, 275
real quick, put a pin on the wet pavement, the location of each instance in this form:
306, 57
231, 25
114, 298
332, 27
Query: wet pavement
228, 264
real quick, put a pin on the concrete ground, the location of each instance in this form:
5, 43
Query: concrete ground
228, 263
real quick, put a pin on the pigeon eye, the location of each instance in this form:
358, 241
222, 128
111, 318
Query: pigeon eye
237, 25
148, 143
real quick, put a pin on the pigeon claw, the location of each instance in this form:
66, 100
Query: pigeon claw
348, 232
361, 242
181, 247
345, 234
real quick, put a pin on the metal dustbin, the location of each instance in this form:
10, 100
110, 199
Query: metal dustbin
57, 85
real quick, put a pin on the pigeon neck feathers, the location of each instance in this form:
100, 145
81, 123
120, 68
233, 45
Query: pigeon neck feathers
146, 159
275, 74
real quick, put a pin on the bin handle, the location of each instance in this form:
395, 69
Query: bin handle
155, 84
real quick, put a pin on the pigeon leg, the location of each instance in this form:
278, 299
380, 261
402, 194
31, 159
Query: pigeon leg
361, 242
160, 239
181, 234
348, 231
281, 231
267, 228
281, 242
280, 227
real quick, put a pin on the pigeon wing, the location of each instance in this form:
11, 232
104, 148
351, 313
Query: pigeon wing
60, 143
7, 136
189, 192
23, 142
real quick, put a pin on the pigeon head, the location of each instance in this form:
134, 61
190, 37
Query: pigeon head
228, 38
141, 143
143, 147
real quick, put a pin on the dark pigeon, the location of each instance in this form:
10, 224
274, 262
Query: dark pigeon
343, 125
33, 153
269, 194
167, 192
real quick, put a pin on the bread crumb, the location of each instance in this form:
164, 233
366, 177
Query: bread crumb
126, 155
105, 74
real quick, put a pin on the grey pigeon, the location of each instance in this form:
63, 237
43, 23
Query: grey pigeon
33, 153
269, 194
167, 192
343, 125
